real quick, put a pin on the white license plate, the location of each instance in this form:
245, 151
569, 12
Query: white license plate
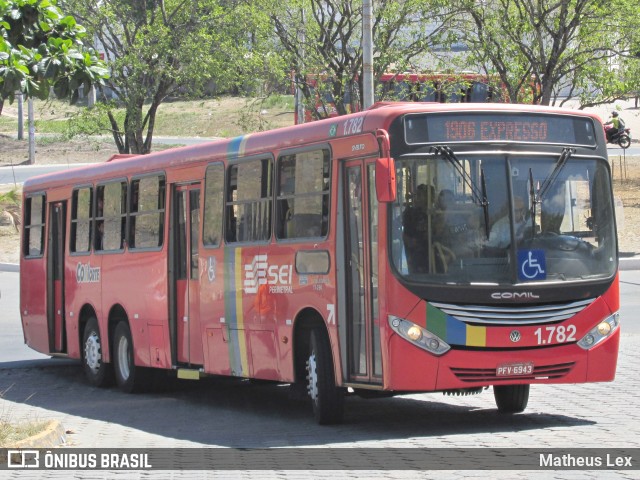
514, 369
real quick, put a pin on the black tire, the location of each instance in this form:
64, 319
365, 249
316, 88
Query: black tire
624, 141
99, 373
511, 398
327, 399
129, 377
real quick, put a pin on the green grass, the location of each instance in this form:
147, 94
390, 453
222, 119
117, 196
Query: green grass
216, 117
11, 433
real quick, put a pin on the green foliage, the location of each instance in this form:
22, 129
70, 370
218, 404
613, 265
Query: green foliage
168, 49
93, 121
323, 40
539, 47
12, 197
252, 117
41, 48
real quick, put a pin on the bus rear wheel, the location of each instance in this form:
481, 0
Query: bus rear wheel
511, 398
129, 377
326, 398
99, 373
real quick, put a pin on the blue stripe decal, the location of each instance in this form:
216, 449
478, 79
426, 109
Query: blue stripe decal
456, 332
234, 147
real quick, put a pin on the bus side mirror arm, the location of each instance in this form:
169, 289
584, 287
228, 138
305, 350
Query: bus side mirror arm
385, 170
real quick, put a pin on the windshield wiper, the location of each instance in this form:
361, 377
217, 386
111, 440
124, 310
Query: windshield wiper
536, 197
479, 195
562, 161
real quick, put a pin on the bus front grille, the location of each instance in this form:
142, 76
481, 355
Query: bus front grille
514, 314
489, 374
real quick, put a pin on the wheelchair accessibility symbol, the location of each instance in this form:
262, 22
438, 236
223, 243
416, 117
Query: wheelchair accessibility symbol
532, 265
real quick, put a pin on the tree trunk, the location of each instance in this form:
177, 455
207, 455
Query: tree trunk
117, 135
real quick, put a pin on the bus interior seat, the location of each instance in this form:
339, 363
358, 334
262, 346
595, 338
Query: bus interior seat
304, 225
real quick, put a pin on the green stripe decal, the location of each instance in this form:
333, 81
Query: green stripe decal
436, 321
454, 331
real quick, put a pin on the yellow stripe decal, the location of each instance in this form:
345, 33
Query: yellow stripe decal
242, 339
476, 336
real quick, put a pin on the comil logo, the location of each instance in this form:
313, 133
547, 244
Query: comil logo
259, 272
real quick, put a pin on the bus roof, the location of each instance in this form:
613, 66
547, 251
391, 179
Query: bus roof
377, 116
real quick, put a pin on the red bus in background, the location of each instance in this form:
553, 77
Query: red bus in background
412, 87
412, 247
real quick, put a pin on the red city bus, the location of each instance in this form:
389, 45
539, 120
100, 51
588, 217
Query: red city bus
407, 248
462, 87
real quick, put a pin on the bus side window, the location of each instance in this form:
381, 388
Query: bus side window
146, 212
213, 205
248, 203
81, 218
302, 198
33, 245
111, 214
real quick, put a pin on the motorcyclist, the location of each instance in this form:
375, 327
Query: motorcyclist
613, 126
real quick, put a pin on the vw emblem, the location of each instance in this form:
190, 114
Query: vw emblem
515, 336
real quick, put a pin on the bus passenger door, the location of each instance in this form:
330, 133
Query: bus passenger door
55, 278
185, 238
360, 206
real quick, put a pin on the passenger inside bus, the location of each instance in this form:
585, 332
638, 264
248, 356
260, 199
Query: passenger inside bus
285, 211
415, 219
500, 235
456, 230
99, 241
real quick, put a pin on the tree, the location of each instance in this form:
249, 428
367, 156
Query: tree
324, 39
161, 48
42, 49
538, 46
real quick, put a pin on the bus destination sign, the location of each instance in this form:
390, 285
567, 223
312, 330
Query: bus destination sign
486, 127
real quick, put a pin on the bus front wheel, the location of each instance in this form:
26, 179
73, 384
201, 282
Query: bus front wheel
129, 377
99, 373
511, 398
327, 399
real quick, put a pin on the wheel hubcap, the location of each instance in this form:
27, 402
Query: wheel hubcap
123, 358
92, 352
312, 377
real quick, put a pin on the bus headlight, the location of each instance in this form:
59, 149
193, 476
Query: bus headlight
601, 331
418, 336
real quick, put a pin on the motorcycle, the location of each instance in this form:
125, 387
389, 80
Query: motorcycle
622, 138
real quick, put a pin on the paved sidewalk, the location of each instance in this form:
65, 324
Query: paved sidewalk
224, 413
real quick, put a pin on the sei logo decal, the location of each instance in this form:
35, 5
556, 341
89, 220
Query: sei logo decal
259, 272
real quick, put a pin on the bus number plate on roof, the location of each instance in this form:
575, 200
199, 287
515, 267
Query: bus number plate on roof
514, 369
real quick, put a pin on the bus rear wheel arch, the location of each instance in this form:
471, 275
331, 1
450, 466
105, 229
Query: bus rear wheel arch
98, 372
129, 377
511, 398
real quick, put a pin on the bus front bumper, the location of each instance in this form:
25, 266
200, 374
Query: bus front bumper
413, 369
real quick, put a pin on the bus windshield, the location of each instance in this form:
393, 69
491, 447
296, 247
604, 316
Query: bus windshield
538, 218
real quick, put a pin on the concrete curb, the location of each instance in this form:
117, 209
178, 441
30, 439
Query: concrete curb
52, 436
9, 267
630, 263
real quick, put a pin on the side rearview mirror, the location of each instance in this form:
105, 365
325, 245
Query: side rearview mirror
385, 170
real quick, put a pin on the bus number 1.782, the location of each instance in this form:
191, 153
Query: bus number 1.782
553, 334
